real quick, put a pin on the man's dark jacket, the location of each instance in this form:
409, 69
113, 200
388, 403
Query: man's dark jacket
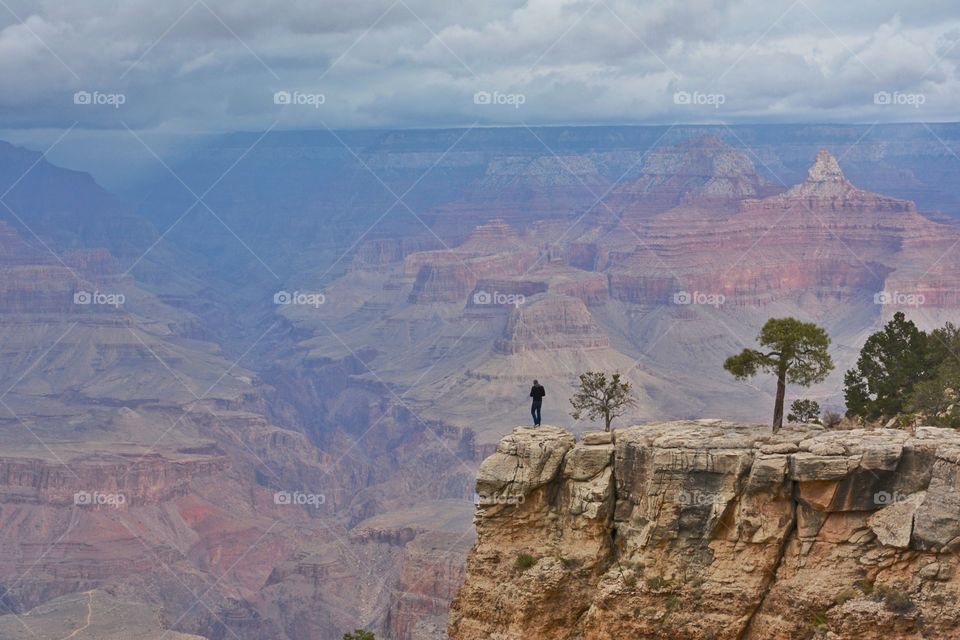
537, 392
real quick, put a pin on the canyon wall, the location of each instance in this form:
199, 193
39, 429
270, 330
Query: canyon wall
709, 529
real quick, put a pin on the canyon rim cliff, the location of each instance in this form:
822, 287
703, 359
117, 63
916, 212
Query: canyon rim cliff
710, 529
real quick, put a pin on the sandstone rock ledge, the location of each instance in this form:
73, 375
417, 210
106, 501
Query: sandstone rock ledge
708, 530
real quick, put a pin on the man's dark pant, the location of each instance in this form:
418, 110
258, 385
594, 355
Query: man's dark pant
535, 412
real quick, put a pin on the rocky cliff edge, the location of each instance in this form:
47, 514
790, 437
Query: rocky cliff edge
708, 530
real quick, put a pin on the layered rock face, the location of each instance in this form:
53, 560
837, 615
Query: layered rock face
704, 170
557, 322
431, 572
708, 529
67, 208
824, 237
142, 467
492, 250
523, 189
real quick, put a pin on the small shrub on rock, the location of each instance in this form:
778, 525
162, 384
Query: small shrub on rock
832, 419
897, 601
657, 582
525, 561
818, 619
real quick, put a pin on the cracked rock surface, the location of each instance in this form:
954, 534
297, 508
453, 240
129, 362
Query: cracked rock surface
709, 529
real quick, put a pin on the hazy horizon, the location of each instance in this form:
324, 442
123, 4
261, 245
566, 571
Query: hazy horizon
118, 160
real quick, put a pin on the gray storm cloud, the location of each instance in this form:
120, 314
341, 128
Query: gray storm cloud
208, 65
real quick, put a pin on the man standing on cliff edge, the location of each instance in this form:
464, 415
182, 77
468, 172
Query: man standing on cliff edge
536, 392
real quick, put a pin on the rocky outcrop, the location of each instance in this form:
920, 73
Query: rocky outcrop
379, 254
708, 529
35, 281
492, 250
522, 189
824, 238
826, 186
556, 322
704, 170
143, 479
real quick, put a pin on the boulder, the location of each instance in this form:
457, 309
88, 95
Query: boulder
893, 525
525, 460
937, 519
597, 437
809, 467
584, 461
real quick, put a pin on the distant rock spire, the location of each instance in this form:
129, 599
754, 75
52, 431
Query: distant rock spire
825, 169
825, 179
827, 189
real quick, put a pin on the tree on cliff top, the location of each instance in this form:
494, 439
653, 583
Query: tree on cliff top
794, 351
891, 362
804, 411
599, 397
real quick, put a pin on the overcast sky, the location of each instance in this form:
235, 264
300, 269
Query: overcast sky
212, 65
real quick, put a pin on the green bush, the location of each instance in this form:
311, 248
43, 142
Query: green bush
804, 411
818, 619
897, 601
525, 561
907, 374
672, 603
657, 582
359, 634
